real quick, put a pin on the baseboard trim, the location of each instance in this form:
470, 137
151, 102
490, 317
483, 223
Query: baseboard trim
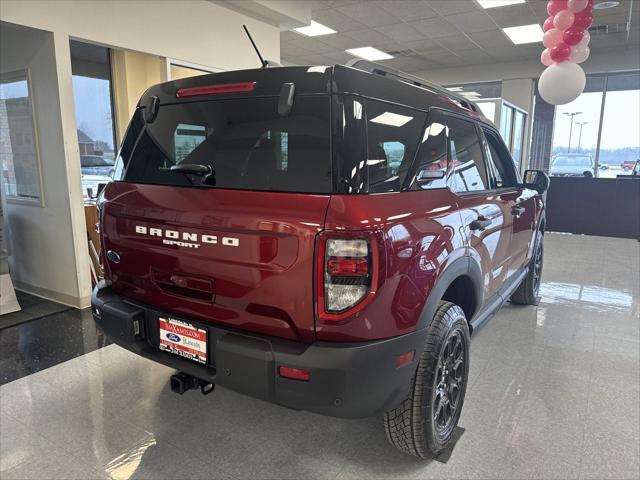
65, 299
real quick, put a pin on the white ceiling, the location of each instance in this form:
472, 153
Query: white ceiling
432, 34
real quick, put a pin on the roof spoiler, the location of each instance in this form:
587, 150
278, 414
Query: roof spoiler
383, 70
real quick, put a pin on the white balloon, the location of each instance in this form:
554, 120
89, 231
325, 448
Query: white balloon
579, 54
562, 83
586, 38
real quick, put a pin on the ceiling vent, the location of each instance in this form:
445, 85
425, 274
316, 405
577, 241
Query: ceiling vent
403, 53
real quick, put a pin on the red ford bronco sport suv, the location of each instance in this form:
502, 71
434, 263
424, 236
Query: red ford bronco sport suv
324, 238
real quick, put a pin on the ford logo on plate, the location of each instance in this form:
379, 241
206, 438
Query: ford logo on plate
173, 337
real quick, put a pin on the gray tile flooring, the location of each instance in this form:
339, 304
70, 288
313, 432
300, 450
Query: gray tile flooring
554, 393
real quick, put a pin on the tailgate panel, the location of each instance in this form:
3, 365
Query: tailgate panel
239, 258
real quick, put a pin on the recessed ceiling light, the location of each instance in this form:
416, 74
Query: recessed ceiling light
498, 3
314, 30
454, 89
369, 53
524, 34
470, 94
392, 119
605, 5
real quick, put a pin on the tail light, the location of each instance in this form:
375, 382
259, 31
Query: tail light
215, 89
346, 275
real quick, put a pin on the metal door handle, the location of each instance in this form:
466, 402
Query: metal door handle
480, 223
517, 211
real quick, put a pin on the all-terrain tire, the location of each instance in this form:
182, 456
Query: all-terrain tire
412, 427
527, 292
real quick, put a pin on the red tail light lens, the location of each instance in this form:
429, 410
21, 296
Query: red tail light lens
346, 275
294, 373
215, 89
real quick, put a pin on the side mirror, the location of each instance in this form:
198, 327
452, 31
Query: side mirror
536, 180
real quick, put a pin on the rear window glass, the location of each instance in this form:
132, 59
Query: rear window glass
246, 143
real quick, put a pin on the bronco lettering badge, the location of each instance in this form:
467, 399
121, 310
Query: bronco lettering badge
186, 239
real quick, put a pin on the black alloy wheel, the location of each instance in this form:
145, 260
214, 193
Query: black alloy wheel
450, 378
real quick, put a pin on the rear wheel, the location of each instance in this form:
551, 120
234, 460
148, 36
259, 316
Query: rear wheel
528, 291
423, 424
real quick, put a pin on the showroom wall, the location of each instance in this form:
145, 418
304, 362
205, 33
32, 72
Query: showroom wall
49, 244
42, 252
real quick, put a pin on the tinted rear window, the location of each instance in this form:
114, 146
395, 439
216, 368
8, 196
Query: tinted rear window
245, 141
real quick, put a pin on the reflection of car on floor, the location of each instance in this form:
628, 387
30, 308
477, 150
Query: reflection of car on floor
303, 249
628, 165
96, 165
572, 165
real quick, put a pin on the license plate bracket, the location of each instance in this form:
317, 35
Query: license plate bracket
183, 339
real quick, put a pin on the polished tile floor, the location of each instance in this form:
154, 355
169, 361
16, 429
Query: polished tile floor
554, 393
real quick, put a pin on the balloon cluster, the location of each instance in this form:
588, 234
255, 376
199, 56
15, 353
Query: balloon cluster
566, 40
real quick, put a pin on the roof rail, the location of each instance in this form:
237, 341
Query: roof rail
383, 70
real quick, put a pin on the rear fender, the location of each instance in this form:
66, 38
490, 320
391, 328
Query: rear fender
463, 266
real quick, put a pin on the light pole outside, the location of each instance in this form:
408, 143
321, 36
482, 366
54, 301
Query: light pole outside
582, 124
571, 114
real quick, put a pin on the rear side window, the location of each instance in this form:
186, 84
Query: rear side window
431, 163
469, 173
246, 143
375, 144
393, 134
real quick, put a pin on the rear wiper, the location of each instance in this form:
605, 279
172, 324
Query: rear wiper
204, 171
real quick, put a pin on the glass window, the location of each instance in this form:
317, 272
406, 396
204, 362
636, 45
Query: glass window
476, 91
466, 158
500, 162
431, 163
506, 120
620, 139
576, 134
393, 134
518, 137
91, 69
247, 144
19, 163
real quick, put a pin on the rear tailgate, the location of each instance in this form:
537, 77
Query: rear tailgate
237, 258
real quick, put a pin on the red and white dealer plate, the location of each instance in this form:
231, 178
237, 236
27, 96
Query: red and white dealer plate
182, 338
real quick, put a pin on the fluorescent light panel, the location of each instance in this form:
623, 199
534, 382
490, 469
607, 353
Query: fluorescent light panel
369, 53
314, 30
498, 3
524, 34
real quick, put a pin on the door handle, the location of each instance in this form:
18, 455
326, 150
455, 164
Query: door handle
480, 223
517, 211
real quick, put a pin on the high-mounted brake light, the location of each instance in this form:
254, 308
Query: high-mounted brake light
215, 89
346, 274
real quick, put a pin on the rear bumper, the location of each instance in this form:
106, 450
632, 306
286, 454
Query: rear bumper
350, 380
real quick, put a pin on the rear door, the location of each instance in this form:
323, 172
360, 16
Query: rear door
486, 216
236, 247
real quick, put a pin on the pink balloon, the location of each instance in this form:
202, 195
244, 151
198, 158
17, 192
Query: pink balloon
586, 38
545, 58
577, 5
551, 38
573, 36
583, 19
554, 6
548, 24
563, 19
579, 54
560, 52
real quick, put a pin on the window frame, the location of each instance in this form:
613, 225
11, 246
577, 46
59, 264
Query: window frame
501, 151
24, 74
450, 177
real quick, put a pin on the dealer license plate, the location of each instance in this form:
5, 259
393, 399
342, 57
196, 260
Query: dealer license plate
184, 339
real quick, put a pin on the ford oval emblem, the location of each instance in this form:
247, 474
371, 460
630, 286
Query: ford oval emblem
113, 256
173, 337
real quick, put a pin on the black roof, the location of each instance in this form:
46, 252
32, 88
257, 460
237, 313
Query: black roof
324, 80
